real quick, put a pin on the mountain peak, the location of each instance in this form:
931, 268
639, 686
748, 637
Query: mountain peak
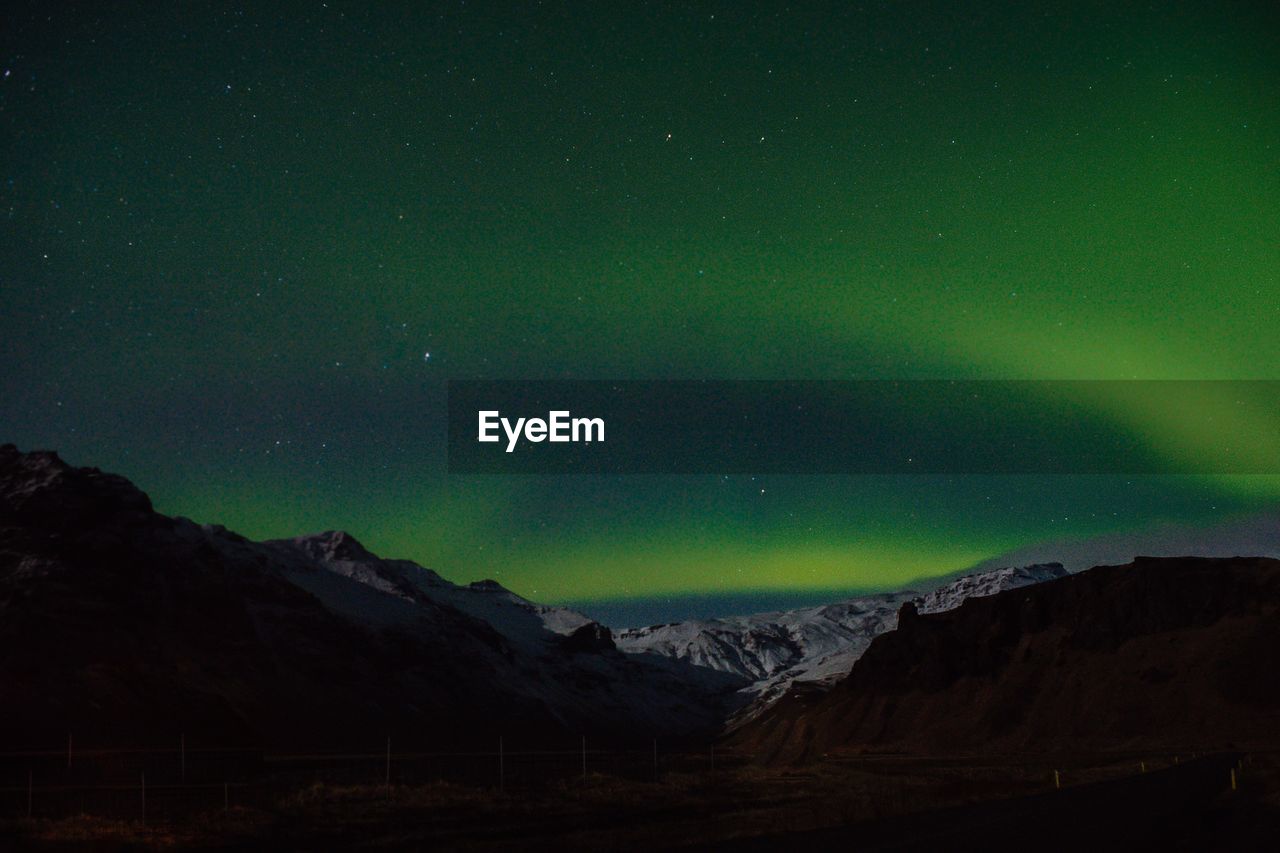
1045, 570
982, 584
40, 487
334, 545
1141, 657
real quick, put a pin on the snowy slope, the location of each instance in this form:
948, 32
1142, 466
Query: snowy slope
762, 654
556, 656
518, 620
811, 644
949, 596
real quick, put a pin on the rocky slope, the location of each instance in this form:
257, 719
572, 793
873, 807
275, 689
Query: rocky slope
1175, 654
812, 646
125, 625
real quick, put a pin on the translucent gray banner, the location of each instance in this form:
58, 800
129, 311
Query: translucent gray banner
864, 427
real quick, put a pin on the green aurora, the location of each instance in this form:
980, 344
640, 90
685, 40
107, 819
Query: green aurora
232, 234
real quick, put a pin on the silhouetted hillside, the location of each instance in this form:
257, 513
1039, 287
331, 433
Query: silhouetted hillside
127, 626
1178, 653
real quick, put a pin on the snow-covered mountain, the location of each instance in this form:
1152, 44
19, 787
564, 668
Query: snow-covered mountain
565, 660
297, 637
816, 645
519, 620
118, 622
950, 595
1160, 655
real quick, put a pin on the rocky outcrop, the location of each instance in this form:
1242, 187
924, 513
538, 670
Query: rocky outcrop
1176, 653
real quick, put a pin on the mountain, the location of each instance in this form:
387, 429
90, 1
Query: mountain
1171, 654
811, 645
528, 625
120, 623
1257, 535
564, 659
951, 595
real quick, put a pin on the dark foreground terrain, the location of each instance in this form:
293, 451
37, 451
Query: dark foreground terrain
865, 803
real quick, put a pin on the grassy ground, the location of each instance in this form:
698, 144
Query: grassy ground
606, 813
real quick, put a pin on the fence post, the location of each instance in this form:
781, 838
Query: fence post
1233, 778
1142, 765
1057, 781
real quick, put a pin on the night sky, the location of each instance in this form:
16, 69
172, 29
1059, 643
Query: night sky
244, 245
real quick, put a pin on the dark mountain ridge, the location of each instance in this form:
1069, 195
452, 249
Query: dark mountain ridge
1167, 653
127, 626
